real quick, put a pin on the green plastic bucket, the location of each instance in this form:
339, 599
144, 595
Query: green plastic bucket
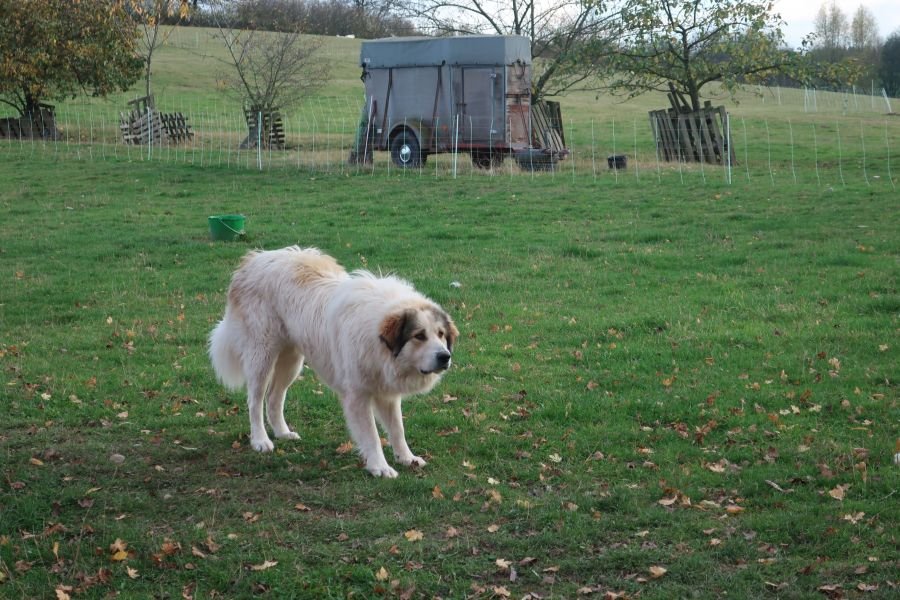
226, 228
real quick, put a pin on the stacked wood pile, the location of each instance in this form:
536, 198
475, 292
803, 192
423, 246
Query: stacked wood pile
40, 125
269, 133
546, 126
143, 124
692, 136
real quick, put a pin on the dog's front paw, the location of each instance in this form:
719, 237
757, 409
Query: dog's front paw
262, 444
290, 435
383, 470
412, 461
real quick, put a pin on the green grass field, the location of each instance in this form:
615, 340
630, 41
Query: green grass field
666, 386
658, 392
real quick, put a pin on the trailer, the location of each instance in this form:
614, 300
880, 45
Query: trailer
457, 94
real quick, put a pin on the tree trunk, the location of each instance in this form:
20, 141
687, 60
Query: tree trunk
695, 97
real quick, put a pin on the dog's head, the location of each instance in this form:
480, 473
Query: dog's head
420, 339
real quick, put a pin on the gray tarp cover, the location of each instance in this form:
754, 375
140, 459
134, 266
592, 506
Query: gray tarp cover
493, 50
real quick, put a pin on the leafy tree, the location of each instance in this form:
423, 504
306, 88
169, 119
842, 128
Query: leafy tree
559, 33
688, 44
53, 49
889, 69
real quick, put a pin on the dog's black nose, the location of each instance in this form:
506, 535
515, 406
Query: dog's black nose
442, 359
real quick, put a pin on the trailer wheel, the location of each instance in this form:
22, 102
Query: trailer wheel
483, 159
405, 150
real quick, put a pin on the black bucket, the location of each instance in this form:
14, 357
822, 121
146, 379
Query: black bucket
617, 161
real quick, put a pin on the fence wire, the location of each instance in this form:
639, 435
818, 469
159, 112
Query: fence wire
846, 145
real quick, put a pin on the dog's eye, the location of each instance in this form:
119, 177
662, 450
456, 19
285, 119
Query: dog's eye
421, 336
441, 334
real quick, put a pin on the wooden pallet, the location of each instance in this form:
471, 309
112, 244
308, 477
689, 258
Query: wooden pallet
692, 137
546, 126
271, 135
38, 126
176, 127
142, 124
141, 129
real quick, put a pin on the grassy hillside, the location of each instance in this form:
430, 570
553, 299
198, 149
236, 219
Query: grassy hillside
781, 136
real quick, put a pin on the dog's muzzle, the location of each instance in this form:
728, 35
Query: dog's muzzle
441, 363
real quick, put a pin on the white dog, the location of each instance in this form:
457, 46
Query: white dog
371, 339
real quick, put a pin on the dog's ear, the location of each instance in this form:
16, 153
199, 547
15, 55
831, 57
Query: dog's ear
452, 332
395, 330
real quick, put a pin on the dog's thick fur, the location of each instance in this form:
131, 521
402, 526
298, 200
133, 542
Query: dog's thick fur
371, 339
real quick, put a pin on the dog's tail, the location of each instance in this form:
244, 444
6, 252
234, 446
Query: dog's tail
223, 345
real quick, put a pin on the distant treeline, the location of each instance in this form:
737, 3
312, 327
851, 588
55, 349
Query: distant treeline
360, 18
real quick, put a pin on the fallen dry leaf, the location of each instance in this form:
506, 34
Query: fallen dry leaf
854, 518
413, 535
344, 448
267, 564
62, 592
382, 574
169, 547
716, 467
775, 486
839, 492
132, 573
656, 571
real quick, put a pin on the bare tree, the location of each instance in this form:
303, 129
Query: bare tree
273, 69
268, 71
831, 30
150, 16
559, 32
864, 30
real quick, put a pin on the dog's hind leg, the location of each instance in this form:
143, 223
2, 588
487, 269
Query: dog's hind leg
258, 369
361, 423
387, 410
287, 367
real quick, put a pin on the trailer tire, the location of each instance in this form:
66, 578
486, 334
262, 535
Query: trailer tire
405, 150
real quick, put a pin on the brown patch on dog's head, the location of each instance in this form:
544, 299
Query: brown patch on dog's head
396, 328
